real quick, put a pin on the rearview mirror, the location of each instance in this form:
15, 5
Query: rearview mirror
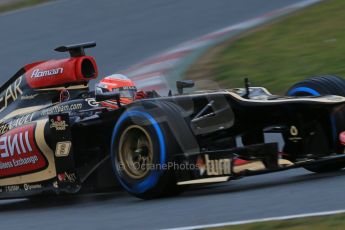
180, 85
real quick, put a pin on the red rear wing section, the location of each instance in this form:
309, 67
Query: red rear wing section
64, 72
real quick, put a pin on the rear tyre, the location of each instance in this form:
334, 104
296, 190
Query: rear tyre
142, 144
318, 86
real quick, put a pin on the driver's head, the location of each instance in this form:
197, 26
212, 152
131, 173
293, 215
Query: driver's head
120, 84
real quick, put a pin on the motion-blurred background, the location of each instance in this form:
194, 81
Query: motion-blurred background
272, 43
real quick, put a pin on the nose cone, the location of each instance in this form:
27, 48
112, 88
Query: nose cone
342, 138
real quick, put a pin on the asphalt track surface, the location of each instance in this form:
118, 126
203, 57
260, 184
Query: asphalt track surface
128, 31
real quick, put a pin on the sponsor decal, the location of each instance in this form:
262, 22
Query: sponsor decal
4, 128
10, 94
64, 95
12, 188
55, 184
129, 87
28, 97
92, 101
63, 148
28, 187
67, 177
22, 120
19, 153
37, 73
215, 167
61, 109
58, 123
294, 134
293, 130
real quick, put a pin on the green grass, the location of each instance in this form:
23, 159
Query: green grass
307, 43
333, 222
19, 4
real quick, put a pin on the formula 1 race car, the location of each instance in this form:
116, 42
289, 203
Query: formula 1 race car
58, 137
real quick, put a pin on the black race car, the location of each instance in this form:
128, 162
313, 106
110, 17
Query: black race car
57, 136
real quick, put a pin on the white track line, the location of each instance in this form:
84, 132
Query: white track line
315, 214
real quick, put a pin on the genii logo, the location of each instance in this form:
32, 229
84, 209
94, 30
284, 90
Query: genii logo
18, 152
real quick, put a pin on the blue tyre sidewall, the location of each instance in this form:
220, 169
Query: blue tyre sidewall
306, 90
150, 181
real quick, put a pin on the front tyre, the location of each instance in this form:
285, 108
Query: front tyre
319, 86
139, 154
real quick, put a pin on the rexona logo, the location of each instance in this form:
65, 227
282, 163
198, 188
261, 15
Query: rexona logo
37, 73
216, 167
19, 153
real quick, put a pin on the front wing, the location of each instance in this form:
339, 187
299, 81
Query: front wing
230, 164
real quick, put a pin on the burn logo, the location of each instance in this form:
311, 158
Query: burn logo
217, 167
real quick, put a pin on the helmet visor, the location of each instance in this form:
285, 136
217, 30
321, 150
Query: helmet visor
126, 92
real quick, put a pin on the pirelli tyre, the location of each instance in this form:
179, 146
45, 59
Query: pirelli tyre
143, 144
318, 86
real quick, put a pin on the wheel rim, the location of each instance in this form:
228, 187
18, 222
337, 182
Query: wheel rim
135, 152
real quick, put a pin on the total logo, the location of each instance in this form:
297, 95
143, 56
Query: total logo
216, 167
37, 73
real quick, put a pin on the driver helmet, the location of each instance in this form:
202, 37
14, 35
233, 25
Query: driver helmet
118, 83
